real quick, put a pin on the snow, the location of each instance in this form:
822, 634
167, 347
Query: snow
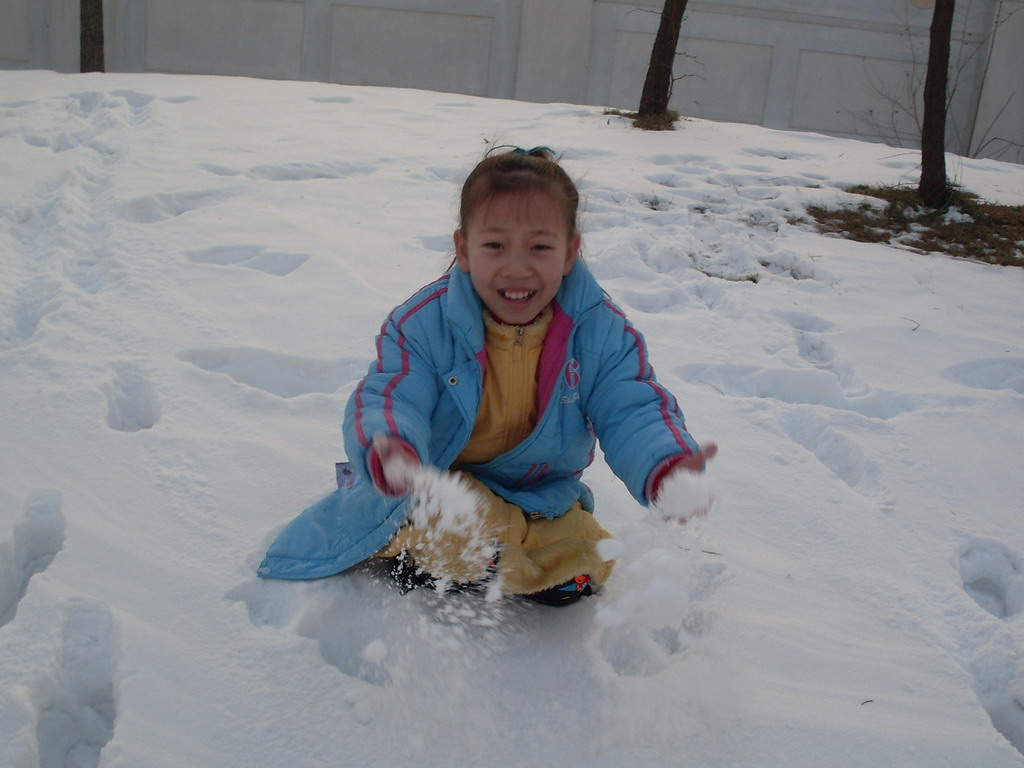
193, 272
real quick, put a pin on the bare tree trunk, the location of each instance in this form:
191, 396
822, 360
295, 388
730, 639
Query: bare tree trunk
933, 189
658, 85
91, 36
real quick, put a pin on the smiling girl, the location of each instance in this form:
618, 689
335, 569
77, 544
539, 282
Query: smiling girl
507, 370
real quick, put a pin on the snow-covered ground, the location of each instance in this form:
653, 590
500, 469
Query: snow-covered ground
192, 271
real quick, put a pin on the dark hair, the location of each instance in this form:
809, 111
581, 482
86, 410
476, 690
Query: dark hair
519, 170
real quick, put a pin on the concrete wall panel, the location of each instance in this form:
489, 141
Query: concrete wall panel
857, 95
411, 49
15, 33
723, 80
258, 38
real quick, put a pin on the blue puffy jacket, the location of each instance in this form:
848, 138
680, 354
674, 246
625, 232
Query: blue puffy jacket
593, 379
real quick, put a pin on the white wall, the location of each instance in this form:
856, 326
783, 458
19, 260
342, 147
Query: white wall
1000, 117
39, 34
851, 69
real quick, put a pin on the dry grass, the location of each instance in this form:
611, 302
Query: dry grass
663, 122
967, 228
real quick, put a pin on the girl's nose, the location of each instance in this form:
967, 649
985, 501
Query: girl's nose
517, 262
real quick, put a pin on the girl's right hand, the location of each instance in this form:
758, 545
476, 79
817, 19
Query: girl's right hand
393, 465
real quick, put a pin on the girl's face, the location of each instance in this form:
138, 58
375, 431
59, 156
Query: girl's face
516, 249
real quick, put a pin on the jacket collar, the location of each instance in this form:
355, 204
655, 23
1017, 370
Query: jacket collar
464, 311
578, 294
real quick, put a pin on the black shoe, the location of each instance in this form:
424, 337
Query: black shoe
407, 575
564, 594
410, 576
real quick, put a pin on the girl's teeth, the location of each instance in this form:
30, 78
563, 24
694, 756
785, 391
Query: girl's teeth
517, 295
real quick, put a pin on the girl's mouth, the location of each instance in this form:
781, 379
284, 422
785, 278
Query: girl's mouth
517, 295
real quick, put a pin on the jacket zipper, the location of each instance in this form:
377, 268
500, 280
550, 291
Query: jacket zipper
514, 378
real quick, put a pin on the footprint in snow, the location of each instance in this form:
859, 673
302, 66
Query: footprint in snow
279, 374
77, 708
843, 456
789, 264
655, 607
346, 617
308, 171
821, 379
364, 627
993, 575
300, 171
680, 179
151, 209
331, 99
132, 403
446, 173
685, 163
38, 537
353, 625
33, 303
251, 257
439, 243
86, 102
992, 373
777, 154
806, 321
269, 603
814, 349
89, 115
1008, 718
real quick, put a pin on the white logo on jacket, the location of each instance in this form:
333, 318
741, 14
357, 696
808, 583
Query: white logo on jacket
571, 376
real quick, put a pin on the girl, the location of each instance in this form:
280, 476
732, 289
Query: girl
506, 371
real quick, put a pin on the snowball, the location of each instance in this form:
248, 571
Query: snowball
684, 495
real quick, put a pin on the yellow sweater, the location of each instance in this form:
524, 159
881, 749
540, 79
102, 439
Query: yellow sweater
508, 408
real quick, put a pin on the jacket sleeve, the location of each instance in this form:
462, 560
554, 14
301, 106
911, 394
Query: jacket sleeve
398, 393
637, 420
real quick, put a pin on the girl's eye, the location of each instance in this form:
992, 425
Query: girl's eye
492, 245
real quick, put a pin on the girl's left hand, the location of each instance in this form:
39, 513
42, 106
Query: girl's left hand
695, 462
682, 492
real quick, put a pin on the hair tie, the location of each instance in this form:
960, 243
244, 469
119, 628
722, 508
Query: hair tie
534, 151
514, 150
